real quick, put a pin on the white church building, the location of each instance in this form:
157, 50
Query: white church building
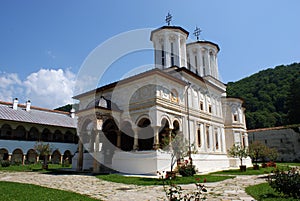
123, 125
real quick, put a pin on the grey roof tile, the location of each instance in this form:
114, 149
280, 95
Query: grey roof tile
36, 116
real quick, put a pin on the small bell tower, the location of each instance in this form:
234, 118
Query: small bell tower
202, 57
169, 45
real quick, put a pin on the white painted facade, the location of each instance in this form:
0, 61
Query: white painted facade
126, 123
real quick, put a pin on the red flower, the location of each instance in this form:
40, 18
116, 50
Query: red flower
204, 180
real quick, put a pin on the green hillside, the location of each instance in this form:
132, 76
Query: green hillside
272, 96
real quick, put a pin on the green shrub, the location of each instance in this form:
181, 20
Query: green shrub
5, 163
186, 169
286, 182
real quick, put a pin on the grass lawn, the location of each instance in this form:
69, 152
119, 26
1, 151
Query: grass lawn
31, 167
10, 191
153, 181
261, 170
263, 192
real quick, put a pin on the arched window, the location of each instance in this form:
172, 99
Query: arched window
46, 135
164, 134
199, 137
146, 134
3, 154
207, 137
17, 157
33, 134
20, 133
6, 132
58, 136
172, 55
163, 57
56, 157
69, 137
127, 137
31, 156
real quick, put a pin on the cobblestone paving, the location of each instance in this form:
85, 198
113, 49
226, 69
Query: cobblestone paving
228, 190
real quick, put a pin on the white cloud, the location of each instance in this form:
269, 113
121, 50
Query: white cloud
50, 88
10, 86
47, 88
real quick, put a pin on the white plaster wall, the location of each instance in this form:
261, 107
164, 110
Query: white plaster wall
210, 162
142, 162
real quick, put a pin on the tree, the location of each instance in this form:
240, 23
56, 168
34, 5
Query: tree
293, 102
273, 154
270, 96
178, 148
237, 151
43, 150
257, 150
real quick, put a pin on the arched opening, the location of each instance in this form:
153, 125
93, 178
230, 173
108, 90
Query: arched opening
145, 135
127, 137
31, 156
20, 133
4, 154
67, 158
56, 157
164, 133
69, 137
6, 132
46, 135
110, 130
176, 128
33, 134
17, 157
58, 136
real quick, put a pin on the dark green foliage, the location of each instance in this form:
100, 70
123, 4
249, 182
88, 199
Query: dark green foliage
187, 171
293, 102
270, 96
287, 183
264, 192
68, 107
5, 163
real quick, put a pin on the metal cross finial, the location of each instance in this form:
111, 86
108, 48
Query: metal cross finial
197, 32
168, 19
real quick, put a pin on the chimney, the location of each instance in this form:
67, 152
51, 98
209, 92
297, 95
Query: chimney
28, 104
15, 104
72, 113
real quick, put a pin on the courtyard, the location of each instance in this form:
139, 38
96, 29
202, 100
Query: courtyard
229, 189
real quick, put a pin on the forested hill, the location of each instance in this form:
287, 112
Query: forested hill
272, 96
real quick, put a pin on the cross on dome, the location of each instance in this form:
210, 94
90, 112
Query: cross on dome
168, 19
197, 32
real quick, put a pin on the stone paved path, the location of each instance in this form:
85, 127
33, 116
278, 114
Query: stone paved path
228, 190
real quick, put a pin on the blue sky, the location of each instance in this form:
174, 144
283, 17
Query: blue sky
42, 42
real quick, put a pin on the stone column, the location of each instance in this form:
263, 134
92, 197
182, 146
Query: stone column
96, 152
23, 159
156, 137
61, 159
80, 156
136, 138
119, 133
170, 138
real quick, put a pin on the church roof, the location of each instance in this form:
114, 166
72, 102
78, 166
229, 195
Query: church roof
171, 28
36, 115
130, 79
205, 42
